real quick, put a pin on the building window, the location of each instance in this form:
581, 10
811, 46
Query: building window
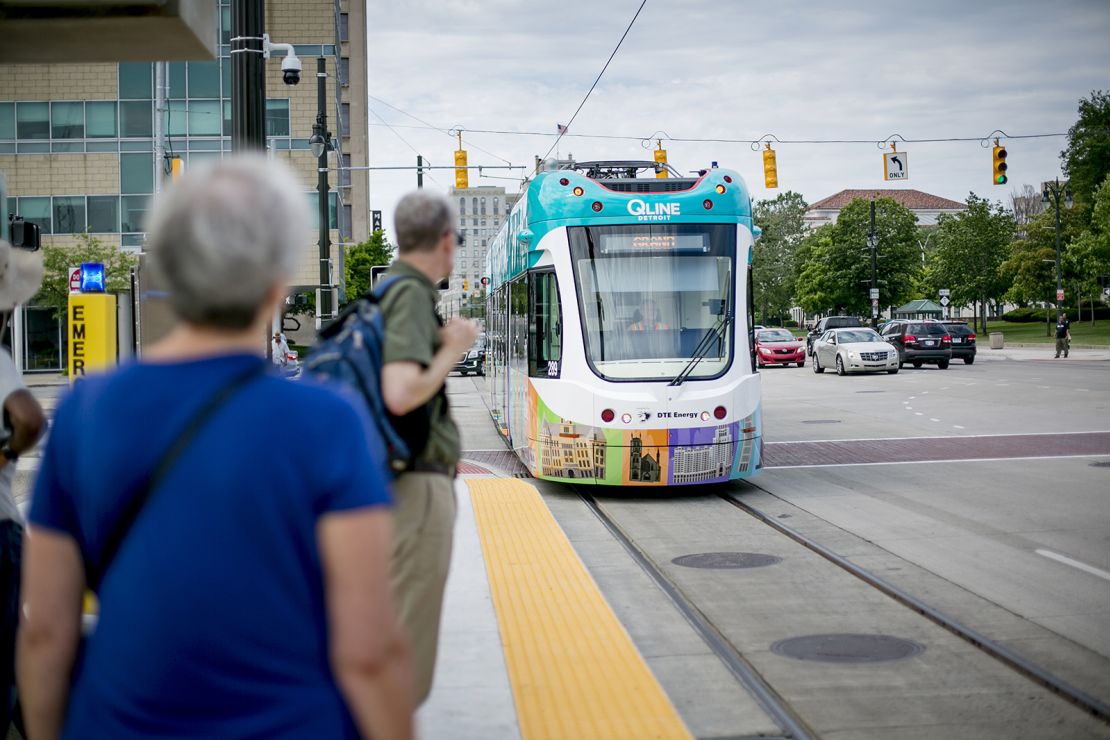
345, 173
135, 120
175, 76
462, 201
204, 79
69, 215
35, 210
344, 71
103, 214
483, 210
136, 80
344, 27
204, 118
225, 73
346, 229
474, 208
133, 212
277, 117
225, 24
177, 123
345, 122
100, 120
67, 120
32, 120
136, 173
227, 118
7, 120
496, 202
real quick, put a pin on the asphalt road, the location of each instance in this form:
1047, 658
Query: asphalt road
1016, 546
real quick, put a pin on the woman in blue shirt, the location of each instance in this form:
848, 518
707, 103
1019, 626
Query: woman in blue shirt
250, 595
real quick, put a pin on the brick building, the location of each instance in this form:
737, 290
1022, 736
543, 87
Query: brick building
926, 207
77, 143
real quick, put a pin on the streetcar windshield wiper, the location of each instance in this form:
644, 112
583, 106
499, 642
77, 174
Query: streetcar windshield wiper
715, 333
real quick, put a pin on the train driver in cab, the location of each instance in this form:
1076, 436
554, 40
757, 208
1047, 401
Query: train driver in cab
646, 317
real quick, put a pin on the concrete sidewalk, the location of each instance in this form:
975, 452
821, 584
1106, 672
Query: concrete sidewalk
1026, 352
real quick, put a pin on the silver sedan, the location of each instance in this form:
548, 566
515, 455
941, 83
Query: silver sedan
854, 351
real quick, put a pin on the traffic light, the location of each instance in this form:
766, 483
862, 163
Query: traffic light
464, 285
770, 168
1000, 164
661, 158
462, 176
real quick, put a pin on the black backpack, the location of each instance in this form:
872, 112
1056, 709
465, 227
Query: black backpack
348, 351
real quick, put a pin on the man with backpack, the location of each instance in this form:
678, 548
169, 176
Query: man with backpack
418, 351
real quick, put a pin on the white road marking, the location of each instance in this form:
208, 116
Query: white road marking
918, 413
912, 397
1046, 387
1083, 390
909, 408
936, 436
1074, 563
957, 426
930, 462
934, 419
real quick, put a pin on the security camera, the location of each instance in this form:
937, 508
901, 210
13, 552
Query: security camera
291, 69
290, 65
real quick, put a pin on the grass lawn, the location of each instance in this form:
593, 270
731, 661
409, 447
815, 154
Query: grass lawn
1081, 333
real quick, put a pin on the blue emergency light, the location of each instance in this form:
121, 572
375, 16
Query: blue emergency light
92, 277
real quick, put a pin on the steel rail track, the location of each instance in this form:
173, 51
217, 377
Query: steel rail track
768, 699
1008, 657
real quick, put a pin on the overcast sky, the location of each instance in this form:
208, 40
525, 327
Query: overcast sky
736, 70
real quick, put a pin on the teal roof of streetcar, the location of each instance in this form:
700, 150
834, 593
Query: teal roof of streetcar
550, 203
549, 199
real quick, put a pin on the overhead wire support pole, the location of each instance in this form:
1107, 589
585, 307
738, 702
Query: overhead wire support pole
248, 79
419, 171
324, 310
873, 243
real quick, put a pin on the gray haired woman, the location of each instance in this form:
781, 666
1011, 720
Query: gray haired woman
243, 586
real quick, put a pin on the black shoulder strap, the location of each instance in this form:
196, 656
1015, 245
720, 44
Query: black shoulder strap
135, 505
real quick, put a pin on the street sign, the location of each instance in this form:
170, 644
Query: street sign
874, 294
944, 300
75, 280
896, 166
944, 292
875, 302
1060, 294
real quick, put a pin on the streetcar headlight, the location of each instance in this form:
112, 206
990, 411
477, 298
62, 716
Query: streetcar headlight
579, 191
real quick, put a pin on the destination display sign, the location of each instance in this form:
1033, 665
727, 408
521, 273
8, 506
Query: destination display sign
611, 243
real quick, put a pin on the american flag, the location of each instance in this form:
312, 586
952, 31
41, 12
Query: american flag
561, 129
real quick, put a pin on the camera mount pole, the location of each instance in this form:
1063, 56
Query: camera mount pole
248, 78
321, 134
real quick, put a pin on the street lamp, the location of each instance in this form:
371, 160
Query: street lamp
1051, 193
320, 144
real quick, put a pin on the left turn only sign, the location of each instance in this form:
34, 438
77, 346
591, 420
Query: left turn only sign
896, 166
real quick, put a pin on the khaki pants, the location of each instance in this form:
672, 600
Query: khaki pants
423, 522
1062, 345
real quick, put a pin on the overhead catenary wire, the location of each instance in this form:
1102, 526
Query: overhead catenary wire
446, 131
406, 143
563, 129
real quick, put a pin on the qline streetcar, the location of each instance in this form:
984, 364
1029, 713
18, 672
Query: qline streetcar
619, 327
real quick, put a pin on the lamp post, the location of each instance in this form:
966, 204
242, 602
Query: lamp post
320, 144
1051, 193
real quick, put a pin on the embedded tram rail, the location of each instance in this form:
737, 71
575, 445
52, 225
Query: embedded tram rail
775, 701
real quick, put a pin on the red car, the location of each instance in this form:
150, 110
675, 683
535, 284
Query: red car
778, 347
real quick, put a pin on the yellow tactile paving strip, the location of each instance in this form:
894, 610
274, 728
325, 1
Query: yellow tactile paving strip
574, 671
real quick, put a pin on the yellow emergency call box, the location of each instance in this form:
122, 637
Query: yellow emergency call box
92, 333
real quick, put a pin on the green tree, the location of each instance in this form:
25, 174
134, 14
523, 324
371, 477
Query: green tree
1030, 268
360, 258
58, 260
834, 270
783, 225
1088, 255
970, 249
1087, 158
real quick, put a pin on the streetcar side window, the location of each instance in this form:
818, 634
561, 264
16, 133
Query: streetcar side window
545, 326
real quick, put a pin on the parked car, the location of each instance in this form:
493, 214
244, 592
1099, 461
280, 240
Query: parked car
474, 361
859, 350
920, 342
778, 347
963, 340
830, 322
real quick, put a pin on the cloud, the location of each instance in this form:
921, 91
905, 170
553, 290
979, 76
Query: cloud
702, 69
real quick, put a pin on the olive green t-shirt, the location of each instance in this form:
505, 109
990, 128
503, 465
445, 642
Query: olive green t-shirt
412, 335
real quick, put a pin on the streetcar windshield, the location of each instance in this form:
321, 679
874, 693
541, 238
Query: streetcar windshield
651, 296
